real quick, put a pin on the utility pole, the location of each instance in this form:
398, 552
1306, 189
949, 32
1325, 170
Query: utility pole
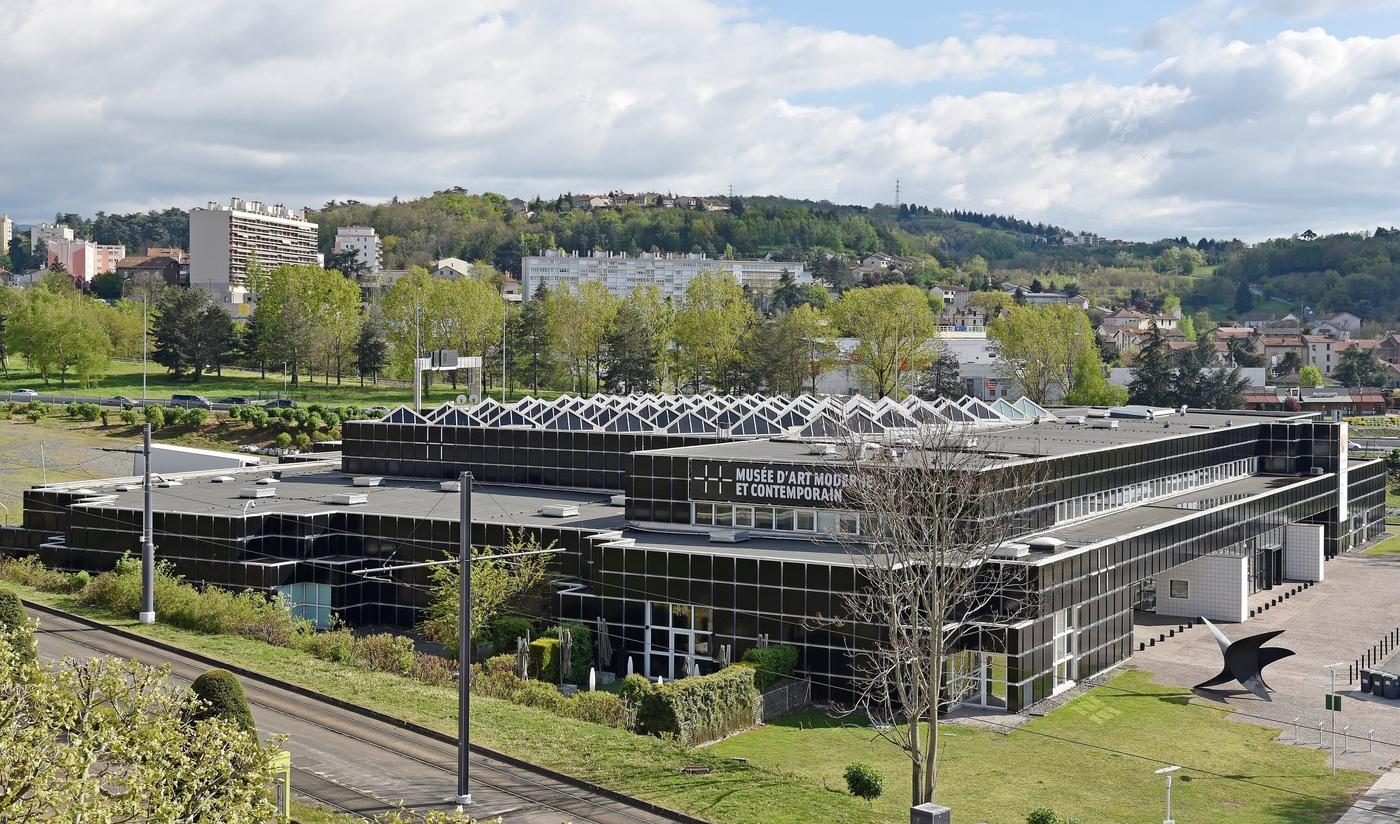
464, 645
145, 340
896, 194
148, 548
1334, 706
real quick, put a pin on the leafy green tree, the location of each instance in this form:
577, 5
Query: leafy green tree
79, 729
347, 262
895, 331
15, 628
304, 312
496, 586
223, 697
1309, 376
1290, 363
1358, 367
1044, 348
191, 333
60, 332
531, 338
632, 352
710, 329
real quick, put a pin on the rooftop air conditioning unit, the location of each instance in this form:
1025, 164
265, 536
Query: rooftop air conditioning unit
1011, 550
1073, 419
367, 480
559, 511
450, 486
1317, 470
729, 536
1045, 542
169, 484
1103, 423
349, 498
221, 479
257, 492
618, 500
267, 481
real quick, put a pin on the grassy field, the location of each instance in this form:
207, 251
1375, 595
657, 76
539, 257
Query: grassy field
1114, 737
124, 378
1386, 548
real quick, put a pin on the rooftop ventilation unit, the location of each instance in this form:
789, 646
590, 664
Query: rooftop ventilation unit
349, 498
1073, 419
618, 500
221, 479
169, 484
559, 511
267, 481
450, 486
367, 480
127, 487
1103, 423
257, 492
1011, 550
1316, 470
729, 536
1045, 542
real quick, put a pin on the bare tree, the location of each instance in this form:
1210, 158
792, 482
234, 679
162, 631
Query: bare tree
933, 514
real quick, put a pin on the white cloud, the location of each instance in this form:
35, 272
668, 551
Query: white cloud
179, 103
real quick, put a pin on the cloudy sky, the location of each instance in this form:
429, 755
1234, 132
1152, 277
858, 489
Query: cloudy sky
1248, 118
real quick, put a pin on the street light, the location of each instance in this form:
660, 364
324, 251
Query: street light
1333, 707
1167, 771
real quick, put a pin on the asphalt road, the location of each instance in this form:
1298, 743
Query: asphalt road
363, 766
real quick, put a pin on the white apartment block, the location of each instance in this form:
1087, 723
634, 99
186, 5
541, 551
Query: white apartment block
671, 273
224, 238
7, 231
49, 233
368, 248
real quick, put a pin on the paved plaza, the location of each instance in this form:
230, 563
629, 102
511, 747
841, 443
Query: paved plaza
1336, 620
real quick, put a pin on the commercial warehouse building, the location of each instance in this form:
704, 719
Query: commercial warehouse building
691, 523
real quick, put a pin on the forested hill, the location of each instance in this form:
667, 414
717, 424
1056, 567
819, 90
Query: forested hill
482, 227
1358, 273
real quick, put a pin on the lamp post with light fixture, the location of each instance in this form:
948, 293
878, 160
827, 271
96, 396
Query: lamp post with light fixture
1167, 771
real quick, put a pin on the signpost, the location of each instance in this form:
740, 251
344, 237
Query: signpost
1334, 706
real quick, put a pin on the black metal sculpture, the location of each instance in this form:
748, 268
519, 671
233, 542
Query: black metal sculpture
1245, 660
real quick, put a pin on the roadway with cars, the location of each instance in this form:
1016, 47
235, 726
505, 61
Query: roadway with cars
61, 398
362, 765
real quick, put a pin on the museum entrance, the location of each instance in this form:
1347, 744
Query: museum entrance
678, 637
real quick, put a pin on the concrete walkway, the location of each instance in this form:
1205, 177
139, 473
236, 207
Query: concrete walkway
1380, 804
1335, 620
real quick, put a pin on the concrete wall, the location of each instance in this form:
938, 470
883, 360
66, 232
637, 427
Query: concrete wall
1217, 588
1302, 552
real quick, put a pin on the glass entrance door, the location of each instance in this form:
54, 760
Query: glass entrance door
677, 633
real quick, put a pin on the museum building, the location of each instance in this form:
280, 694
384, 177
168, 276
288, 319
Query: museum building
693, 524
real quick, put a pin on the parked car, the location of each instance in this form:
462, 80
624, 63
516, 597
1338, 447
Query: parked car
24, 395
191, 402
280, 403
123, 401
237, 400
374, 411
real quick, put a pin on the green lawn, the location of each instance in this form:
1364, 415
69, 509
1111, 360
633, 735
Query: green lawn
124, 378
638, 765
1093, 758
1386, 547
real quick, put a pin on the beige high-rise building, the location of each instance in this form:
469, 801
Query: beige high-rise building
7, 231
224, 238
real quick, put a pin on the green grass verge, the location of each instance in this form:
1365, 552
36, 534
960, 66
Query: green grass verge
641, 766
1092, 758
124, 378
1385, 548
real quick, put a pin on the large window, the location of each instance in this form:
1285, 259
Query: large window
775, 519
1085, 506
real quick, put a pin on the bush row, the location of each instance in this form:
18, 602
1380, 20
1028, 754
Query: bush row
215, 610
497, 679
697, 709
769, 664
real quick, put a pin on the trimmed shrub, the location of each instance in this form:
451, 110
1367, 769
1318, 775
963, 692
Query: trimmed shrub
14, 623
700, 709
770, 664
130, 417
1045, 815
544, 659
634, 689
224, 698
176, 416
155, 416
235, 413
105, 421
599, 707
580, 652
78, 581
283, 440
302, 440
384, 652
543, 696
863, 782
503, 632
70, 409
89, 411
34, 412
196, 417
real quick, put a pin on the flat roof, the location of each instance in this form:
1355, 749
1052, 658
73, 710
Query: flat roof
1018, 440
308, 491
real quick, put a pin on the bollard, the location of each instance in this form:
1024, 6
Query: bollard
1319, 732
1344, 738
1295, 728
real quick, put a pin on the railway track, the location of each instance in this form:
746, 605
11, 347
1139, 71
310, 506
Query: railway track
497, 788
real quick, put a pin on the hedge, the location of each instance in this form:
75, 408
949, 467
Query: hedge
770, 664
544, 659
503, 632
224, 698
580, 652
14, 621
701, 708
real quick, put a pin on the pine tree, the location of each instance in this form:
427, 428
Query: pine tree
531, 335
631, 353
1153, 381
